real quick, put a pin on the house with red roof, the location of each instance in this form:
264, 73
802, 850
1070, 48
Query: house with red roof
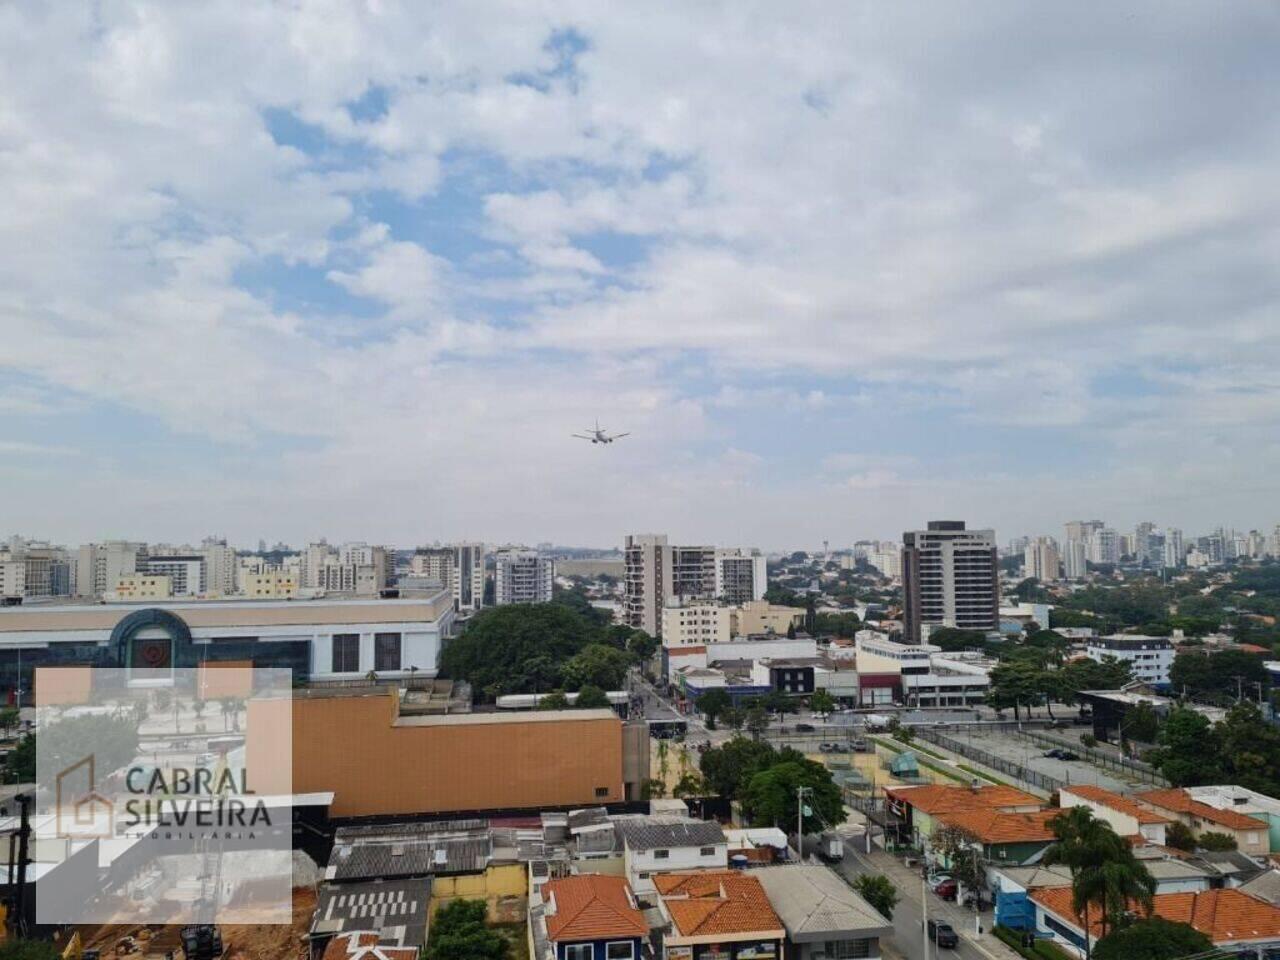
1230, 918
587, 917
1252, 834
1125, 814
717, 915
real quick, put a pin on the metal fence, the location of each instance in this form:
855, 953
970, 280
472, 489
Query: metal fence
1011, 767
1100, 758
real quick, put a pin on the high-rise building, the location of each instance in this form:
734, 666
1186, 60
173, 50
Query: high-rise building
186, 573
1146, 549
1040, 560
1074, 560
887, 558
1175, 550
219, 566
950, 578
741, 576
657, 573
522, 576
1082, 530
468, 577
1103, 546
99, 566
29, 568
433, 563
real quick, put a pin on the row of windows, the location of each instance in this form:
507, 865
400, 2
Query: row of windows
346, 652
617, 950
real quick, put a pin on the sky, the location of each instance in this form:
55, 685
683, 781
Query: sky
358, 270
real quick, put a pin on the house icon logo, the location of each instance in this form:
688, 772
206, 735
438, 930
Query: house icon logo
82, 814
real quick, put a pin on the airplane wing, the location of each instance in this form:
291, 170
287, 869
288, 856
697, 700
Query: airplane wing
617, 435
581, 436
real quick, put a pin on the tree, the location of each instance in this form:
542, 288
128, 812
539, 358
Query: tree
1016, 685
837, 624
769, 798
113, 739
1141, 724
1189, 753
597, 665
689, 785
1216, 841
713, 703
555, 700
822, 702
1250, 749
962, 853
1219, 675
734, 718
756, 720
592, 698
518, 648
952, 639
28, 950
1105, 875
1152, 938
727, 768
458, 932
9, 717
1179, 836
879, 891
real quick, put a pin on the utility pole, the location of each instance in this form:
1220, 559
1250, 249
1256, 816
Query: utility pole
924, 916
800, 792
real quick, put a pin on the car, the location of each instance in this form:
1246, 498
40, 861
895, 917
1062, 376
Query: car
839, 748
805, 728
1057, 724
859, 746
1054, 754
1068, 755
826, 747
943, 934
947, 889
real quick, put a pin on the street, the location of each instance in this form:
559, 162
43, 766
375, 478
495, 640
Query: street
907, 942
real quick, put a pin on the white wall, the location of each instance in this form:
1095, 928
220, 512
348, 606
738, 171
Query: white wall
647, 862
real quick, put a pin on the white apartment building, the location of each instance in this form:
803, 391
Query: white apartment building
433, 563
657, 573
1175, 549
1075, 560
741, 576
32, 569
220, 566
888, 560
186, 573
1040, 560
468, 577
696, 623
1103, 546
99, 566
1149, 657
522, 576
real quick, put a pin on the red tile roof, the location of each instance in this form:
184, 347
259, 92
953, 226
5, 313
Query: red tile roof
997, 826
362, 945
1116, 801
937, 798
1224, 916
717, 903
1179, 801
590, 907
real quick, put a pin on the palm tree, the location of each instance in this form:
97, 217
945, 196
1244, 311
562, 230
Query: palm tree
1104, 871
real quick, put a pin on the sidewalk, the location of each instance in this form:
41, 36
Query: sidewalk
907, 880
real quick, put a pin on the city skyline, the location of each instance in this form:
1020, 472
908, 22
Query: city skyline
371, 283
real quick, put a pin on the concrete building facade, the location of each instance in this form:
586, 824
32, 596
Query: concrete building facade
950, 577
522, 576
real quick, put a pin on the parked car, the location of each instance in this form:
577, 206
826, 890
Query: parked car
826, 747
1068, 755
805, 728
839, 748
859, 746
943, 934
1054, 754
947, 889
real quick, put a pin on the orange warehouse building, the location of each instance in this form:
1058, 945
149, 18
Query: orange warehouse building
377, 762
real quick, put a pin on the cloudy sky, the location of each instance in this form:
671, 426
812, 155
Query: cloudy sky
359, 269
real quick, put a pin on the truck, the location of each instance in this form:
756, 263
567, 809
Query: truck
878, 721
831, 846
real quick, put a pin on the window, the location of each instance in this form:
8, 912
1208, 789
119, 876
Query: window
346, 653
602, 792
707, 852
619, 950
661, 854
386, 651
577, 951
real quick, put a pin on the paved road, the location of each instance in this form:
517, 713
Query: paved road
907, 941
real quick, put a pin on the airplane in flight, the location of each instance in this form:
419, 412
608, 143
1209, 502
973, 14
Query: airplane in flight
597, 435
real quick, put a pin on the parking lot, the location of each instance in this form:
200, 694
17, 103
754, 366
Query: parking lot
1008, 745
